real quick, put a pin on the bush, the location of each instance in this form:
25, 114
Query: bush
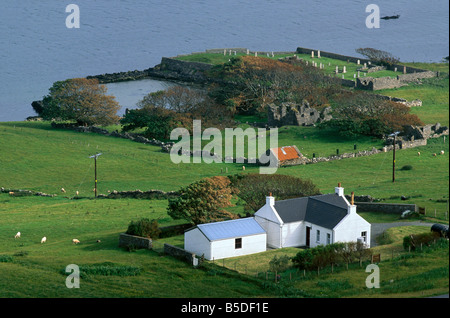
407, 167
253, 188
414, 240
6, 258
144, 227
279, 264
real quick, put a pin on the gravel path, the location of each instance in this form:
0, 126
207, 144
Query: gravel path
379, 228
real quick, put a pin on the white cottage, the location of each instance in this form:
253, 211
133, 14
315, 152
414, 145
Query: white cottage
312, 221
226, 239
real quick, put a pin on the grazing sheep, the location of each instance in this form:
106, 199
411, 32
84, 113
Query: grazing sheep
63, 190
17, 235
434, 155
418, 153
43, 240
243, 168
75, 241
98, 241
77, 193
11, 193
442, 152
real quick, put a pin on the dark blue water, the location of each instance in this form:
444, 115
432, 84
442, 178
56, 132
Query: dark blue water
36, 48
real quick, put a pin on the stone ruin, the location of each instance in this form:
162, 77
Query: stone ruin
412, 133
296, 114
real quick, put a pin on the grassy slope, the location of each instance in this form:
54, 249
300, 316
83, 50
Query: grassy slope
35, 157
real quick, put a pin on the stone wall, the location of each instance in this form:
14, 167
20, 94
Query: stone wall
138, 194
295, 114
134, 242
410, 74
181, 254
394, 208
185, 71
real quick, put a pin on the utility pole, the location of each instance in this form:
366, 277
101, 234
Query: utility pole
95, 169
393, 159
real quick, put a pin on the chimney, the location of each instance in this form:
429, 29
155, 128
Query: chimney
339, 190
270, 200
352, 206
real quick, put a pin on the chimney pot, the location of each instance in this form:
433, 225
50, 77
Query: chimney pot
339, 184
353, 198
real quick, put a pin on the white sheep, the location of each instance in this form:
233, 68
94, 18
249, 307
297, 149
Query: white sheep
17, 235
43, 240
11, 193
63, 190
75, 241
442, 152
77, 193
434, 155
418, 153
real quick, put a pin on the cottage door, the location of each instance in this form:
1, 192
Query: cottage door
308, 235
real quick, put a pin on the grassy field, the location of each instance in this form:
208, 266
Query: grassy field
329, 64
31, 269
33, 156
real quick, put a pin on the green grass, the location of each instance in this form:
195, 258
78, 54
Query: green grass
329, 63
33, 156
31, 269
36, 157
434, 94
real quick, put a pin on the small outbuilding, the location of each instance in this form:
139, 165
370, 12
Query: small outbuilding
226, 239
285, 156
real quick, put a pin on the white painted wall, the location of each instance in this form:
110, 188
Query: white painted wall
351, 227
195, 242
294, 234
273, 230
250, 245
322, 239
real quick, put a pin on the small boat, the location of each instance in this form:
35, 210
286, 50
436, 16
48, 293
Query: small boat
390, 17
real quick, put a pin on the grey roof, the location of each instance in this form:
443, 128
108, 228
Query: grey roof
324, 210
232, 228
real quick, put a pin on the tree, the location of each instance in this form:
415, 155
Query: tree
382, 57
253, 188
363, 113
249, 84
203, 201
81, 100
162, 111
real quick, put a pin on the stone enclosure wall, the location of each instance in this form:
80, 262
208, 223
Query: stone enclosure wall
385, 207
134, 242
410, 74
181, 254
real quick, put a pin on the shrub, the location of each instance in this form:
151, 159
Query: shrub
407, 167
414, 240
6, 258
144, 227
279, 264
253, 188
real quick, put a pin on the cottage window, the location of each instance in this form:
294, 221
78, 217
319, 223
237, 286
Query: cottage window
238, 243
318, 236
364, 236
328, 238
